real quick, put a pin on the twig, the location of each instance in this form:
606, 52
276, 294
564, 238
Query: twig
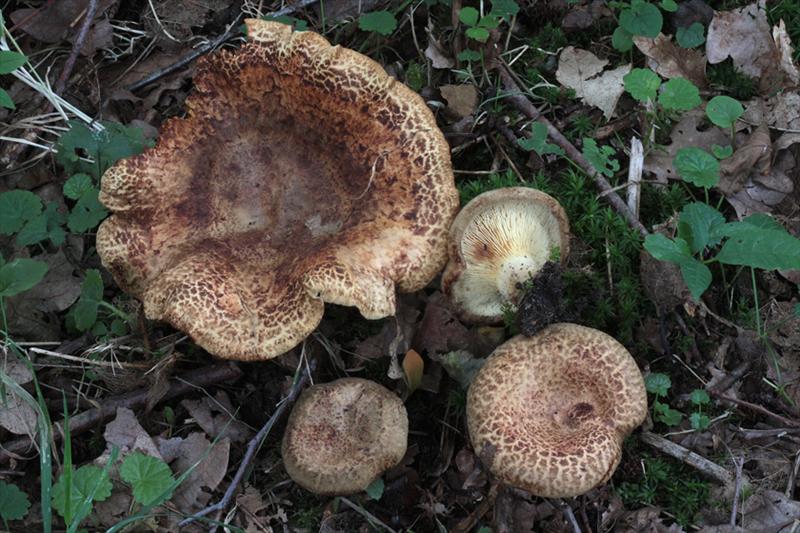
467, 523
252, 447
207, 47
80, 39
635, 168
528, 109
569, 514
705, 466
366, 514
755, 407
738, 463
200, 377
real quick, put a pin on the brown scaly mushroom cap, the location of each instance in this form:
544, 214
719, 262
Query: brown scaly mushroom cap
500, 239
549, 413
302, 174
342, 435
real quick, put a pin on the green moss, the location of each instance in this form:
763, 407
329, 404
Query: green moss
725, 77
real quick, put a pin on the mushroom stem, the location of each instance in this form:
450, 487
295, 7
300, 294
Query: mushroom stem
513, 272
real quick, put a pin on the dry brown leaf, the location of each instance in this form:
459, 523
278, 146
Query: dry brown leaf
127, 433
207, 474
784, 45
580, 70
753, 155
175, 20
439, 57
770, 511
462, 100
672, 61
582, 17
223, 423
17, 415
57, 20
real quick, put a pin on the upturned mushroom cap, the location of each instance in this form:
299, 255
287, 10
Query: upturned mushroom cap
301, 174
500, 239
549, 413
342, 435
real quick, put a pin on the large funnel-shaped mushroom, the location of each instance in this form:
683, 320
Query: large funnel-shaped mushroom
302, 174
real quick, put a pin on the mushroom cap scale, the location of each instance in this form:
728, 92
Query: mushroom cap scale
302, 174
550, 412
498, 240
342, 435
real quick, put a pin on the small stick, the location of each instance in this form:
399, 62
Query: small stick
754, 407
738, 463
366, 514
80, 39
252, 447
207, 47
467, 523
569, 514
635, 168
200, 377
705, 466
528, 109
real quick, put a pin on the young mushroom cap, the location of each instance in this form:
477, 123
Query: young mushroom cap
342, 435
302, 174
499, 240
548, 414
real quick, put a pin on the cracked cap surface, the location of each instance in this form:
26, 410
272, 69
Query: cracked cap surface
342, 435
301, 174
549, 413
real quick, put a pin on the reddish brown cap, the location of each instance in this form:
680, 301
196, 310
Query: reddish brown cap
499, 240
550, 412
342, 435
301, 174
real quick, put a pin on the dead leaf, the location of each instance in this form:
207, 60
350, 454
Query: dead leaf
17, 415
439, 57
781, 111
57, 20
413, 368
209, 472
173, 22
745, 36
222, 423
578, 69
684, 134
672, 61
127, 433
770, 511
692, 11
584, 16
395, 335
462, 100
460, 365
784, 45
753, 155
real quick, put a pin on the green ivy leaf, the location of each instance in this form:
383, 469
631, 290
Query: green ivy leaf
14, 503
77, 185
16, 208
10, 61
85, 480
665, 249
669, 5
699, 397
600, 157
699, 421
85, 310
724, 111
679, 94
697, 166
657, 383
538, 141
380, 22
641, 18
622, 40
469, 16
469, 55
692, 36
149, 476
375, 489
478, 34
87, 213
721, 152
696, 275
504, 8
5, 100
20, 275
697, 223
642, 84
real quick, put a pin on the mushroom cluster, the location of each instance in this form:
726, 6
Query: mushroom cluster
302, 174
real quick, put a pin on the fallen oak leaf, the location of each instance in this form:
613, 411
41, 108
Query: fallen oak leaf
672, 61
754, 155
580, 70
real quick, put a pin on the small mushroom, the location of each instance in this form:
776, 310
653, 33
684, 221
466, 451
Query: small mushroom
342, 435
302, 174
498, 241
548, 414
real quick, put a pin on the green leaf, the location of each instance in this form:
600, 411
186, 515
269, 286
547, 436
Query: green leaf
469, 16
696, 275
665, 249
469, 55
657, 383
504, 8
87, 213
670, 417
699, 397
692, 36
375, 489
77, 185
16, 208
724, 111
478, 34
641, 18
622, 40
104, 148
669, 5
642, 84
149, 476
295, 23
699, 421
20, 275
47, 225
538, 141
489, 22
5, 100
698, 221
679, 94
721, 152
85, 310
756, 247
600, 157
85, 480
10, 61
380, 22
697, 166
14, 503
